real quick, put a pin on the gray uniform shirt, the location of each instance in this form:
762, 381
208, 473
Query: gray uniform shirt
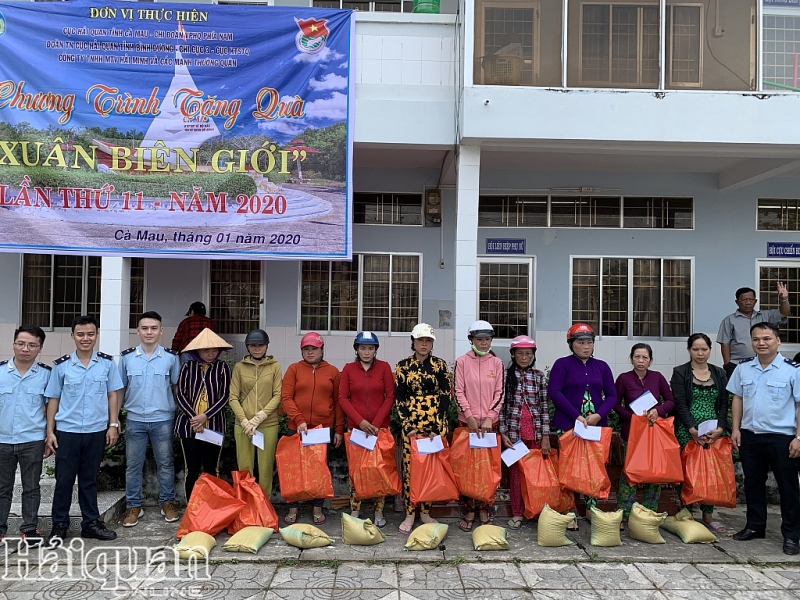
735, 331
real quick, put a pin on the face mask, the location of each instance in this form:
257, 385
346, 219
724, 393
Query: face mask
479, 353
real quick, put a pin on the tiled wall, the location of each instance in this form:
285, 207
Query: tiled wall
404, 60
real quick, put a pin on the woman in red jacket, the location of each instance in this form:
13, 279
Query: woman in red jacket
366, 394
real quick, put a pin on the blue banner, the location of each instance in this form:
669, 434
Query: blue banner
505, 246
781, 249
166, 130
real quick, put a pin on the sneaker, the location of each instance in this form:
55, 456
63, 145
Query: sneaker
169, 513
132, 515
32, 538
57, 535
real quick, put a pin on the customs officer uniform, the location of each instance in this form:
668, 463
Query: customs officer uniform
81, 425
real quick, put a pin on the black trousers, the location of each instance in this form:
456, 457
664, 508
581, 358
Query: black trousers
198, 456
78, 455
759, 453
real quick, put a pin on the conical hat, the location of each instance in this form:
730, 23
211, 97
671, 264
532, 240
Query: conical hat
207, 339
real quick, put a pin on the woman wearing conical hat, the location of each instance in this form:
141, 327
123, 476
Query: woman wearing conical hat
201, 395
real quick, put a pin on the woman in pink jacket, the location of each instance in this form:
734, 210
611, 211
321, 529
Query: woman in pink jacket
479, 394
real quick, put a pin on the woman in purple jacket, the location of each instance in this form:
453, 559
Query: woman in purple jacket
631, 385
581, 387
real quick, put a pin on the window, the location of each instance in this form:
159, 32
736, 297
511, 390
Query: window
137, 291
405, 6
769, 273
56, 289
508, 38
685, 51
387, 209
374, 292
634, 297
235, 295
512, 211
619, 45
658, 213
504, 297
586, 211
778, 215
781, 51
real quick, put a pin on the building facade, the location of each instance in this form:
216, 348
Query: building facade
529, 162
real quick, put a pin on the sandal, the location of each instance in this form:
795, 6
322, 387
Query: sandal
405, 529
466, 525
573, 526
290, 519
515, 523
622, 525
488, 518
380, 522
715, 526
319, 519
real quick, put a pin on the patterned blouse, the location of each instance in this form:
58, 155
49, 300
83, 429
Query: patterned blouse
214, 383
530, 390
423, 391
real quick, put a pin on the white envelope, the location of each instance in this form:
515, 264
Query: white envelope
590, 434
514, 453
643, 403
258, 440
706, 427
430, 446
489, 440
359, 438
210, 436
317, 436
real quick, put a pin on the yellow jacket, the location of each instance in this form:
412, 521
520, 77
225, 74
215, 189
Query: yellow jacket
255, 387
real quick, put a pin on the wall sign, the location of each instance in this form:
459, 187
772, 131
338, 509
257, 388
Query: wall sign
783, 249
505, 246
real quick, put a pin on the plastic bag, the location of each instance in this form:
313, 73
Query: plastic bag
303, 470
477, 470
582, 466
708, 474
258, 510
212, 507
654, 454
432, 478
539, 482
374, 474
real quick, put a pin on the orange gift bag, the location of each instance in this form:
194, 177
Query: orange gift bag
708, 474
432, 478
258, 510
211, 508
374, 474
582, 466
303, 470
539, 481
477, 470
654, 454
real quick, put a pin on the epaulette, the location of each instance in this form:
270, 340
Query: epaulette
5, 362
171, 351
104, 355
48, 367
744, 360
128, 351
64, 358
791, 362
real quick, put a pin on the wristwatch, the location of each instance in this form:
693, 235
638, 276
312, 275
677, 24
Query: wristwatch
114, 425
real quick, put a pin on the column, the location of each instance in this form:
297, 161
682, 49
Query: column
466, 266
115, 305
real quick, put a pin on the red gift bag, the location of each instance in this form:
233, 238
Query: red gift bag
477, 470
432, 478
303, 470
539, 481
374, 474
211, 508
258, 510
582, 465
654, 454
708, 474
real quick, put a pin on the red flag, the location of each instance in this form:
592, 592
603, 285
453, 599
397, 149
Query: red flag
313, 28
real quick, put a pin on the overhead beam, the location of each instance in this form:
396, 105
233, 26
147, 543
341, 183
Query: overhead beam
754, 170
447, 173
